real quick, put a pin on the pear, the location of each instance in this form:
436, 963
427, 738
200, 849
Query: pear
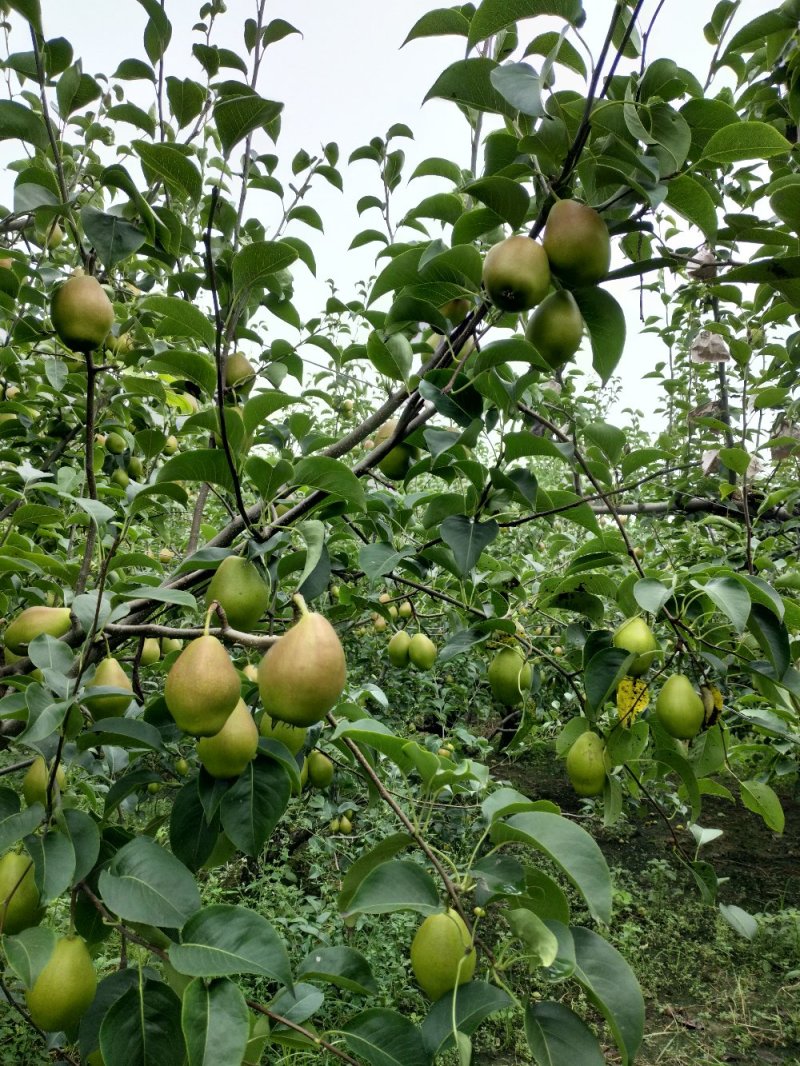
397, 462
422, 651
109, 674
442, 954
170, 445
34, 783
679, 708
555, 328
240, 590
65, 987
293, 737
320, 770
151, 651
516, 274
202, 687
302, 676
509, 677
577, 243
636, 636
228, 752
19, 896
170, 644
82, 314
586, 767
239, 373
397, 649
115, 443
34, 621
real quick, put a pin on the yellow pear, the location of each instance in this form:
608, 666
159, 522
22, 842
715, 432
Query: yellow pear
240, 590
442, 954
34, 783
34, 621
65, 987
109, 674
202, 687
82, 314
555, 328
516, 274
586, 767
19, 896
509, 677
292, 736
577, 243
302, 676
228, 752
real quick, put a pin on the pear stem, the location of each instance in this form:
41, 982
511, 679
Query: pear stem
209, 613
300, 604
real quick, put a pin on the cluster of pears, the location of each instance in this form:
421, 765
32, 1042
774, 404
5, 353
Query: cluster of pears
442, 954
418, 650
517, 275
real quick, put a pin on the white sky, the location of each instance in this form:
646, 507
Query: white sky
347, 80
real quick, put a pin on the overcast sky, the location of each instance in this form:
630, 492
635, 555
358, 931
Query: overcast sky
347, 79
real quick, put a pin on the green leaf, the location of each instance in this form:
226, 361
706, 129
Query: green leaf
179, 318
144, 883
731, 597
605, 321
257, 262
693, 202
505, 197
344, 967
684, 769
216, 1023
522, 87
54, 862
745, 140
739, 920
379, 559
202, 464
276, 30
85, 837
186, 99
650, 594
15, 826
143, 1026
397, 885
469, 83
383, 851
254, 804
439, 23
18, 122
29, 952
176, 597
611, 985
467, 539
191, 837
772, 636
494, 15
762, 800
31, 11
239, 110
557, 1037
541, 946
570, 847
113, 238
223, 940
331, 476
474, 1002
385, 1038
172, 167
602, 674
184, 364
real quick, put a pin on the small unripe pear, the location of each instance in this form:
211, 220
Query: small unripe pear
151, 651
577, 243
586, 765
115, 443
19, 896
240, 590
227, 753
320, 770
82, 314
202, 687
555, 328
239, 373
34, 783
442, 954
34, 621
170, 445
397, 649
109, 674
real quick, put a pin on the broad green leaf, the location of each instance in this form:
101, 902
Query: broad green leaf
397, 885
745, 140
200, 464
772, 636
739, 920
331, 476
762, 800
570, 847
650, 594
179, 318
29, 951
257, 262
191, 365
216, 1023
439, 23
223, 940
344, 967
143, 1026
18, 122
379, 559
731, 598
468, 83
683, 768
602, 674
15, 826
611, 985
85, 837
113, 238
239, 110
54, 863
494, 15
384, 1038
191, 837
474, 1002
540, 944
383, 851
145, 883
467, 539
254, 804
557, 1037
505, 197
521, 86
605, 321
692, 200
172, 167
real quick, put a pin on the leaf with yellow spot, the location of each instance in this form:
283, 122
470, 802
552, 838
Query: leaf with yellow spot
632, 698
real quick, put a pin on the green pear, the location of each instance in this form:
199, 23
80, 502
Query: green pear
170, 644
115, 443
586, 767
397, 462
65, 987
679, 708
109, 674
239, 373
397, 649
151, 651
302, 676
227, 753
422, 651
34, 621
82, 313
555, 328
202, 687
34, 783
240, 590
320, 770
637, 637
509, 677
516, 274
292, 736
442, 954
19, 896
577, 243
